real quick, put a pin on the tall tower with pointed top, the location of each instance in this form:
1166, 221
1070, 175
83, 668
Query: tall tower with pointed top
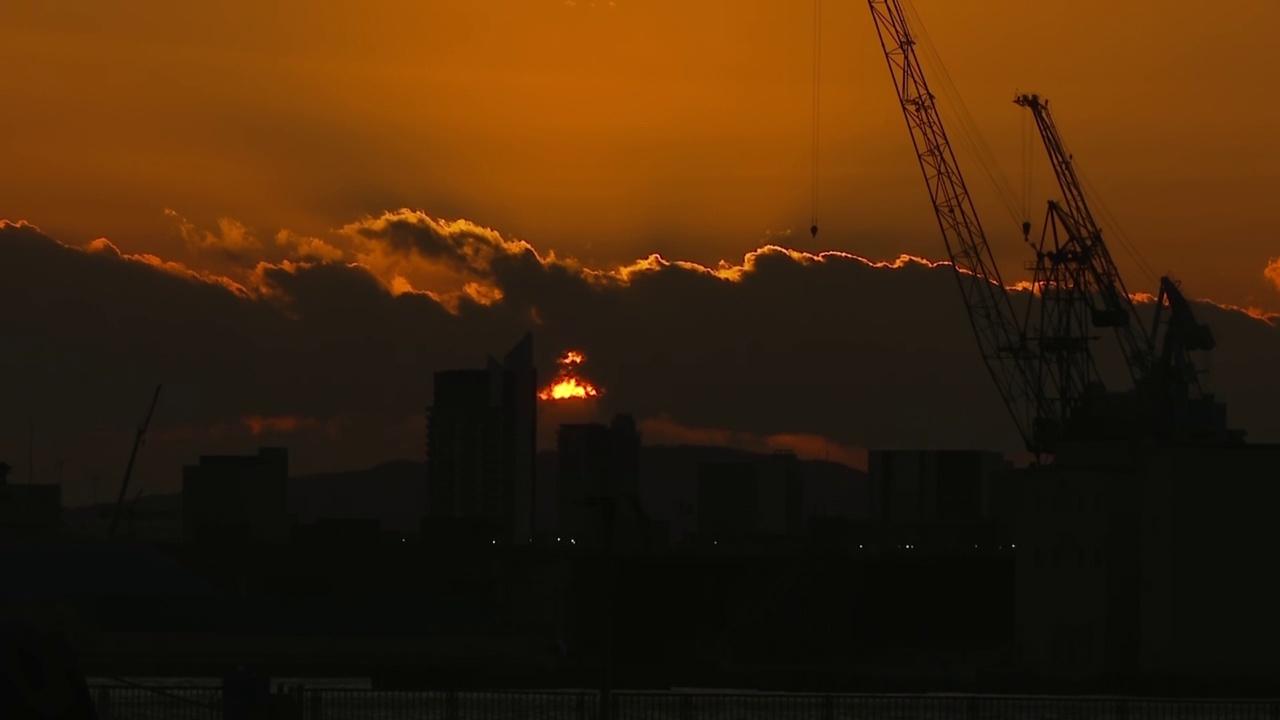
482, 447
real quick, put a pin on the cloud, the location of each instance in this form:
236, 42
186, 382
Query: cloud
663, 430
233, 240
782, 349
259, 425
1272, 272
460, 244
308, 248
104, 246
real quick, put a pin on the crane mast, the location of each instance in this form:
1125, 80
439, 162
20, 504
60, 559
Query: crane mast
1086, 270
1081, 287
1003, 343
133, 456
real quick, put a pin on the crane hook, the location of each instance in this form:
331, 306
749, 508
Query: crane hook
814, 231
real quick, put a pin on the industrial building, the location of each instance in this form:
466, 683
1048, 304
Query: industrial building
482, 449
237, 498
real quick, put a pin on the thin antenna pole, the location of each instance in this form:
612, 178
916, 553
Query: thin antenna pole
31, 449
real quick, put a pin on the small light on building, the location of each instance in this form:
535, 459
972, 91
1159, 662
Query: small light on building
572, 541
495, 542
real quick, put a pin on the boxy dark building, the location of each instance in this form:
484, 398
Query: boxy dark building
738, 500
482, 448
1151, 568
941, 500
237, 498
28, 509
598, 463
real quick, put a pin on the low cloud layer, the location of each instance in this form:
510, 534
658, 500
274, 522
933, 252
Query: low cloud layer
314, 344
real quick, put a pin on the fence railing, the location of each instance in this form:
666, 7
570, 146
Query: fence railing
137, 702
121, 702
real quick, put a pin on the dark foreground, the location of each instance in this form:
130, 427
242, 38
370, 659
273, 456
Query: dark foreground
179, 703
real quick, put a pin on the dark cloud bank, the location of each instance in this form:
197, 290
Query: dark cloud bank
322, 356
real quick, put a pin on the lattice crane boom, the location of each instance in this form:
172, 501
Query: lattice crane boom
1003, 344
1100, 285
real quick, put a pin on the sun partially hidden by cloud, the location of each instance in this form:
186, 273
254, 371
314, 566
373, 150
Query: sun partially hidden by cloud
568, 385
1272, 272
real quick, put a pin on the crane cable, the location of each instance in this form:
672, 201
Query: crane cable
1026, 167
817, 87
969, 137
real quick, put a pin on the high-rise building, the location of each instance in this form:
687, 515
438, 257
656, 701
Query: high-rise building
597, 462
482, 447
238, 498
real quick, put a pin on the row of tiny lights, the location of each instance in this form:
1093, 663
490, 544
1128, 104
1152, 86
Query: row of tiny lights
571, 541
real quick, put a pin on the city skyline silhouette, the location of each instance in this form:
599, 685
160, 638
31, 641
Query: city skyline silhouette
562, 371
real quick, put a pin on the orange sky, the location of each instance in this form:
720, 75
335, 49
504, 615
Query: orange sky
608, 131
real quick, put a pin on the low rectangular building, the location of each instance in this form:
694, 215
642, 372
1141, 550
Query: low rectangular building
237, 498
28, 509
751, 498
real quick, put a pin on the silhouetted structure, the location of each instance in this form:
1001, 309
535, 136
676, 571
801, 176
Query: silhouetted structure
243, 498
596, 462
739, 500
1150, 568
940, 500
27, 510
482, 447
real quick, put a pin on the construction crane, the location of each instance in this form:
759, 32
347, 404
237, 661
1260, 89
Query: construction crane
133, 455
1045, 370
1080, 288
1006, 351
1092, 276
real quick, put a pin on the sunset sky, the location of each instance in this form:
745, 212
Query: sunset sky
292, 212
610, 130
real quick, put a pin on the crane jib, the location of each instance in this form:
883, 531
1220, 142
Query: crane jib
991, 314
